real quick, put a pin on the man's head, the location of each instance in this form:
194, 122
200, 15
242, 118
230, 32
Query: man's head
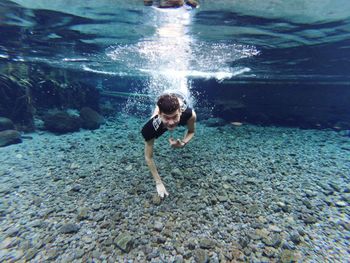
169, 110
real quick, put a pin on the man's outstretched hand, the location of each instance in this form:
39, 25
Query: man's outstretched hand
162, 192
176, 143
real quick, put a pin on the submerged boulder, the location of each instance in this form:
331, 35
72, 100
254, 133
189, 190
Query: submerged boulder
16, 101
8, 137
62, 122
6, 124
90, 119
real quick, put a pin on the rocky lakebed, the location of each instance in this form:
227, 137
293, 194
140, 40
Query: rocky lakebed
238, 193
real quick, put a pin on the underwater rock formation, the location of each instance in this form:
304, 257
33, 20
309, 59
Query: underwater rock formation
30, 94
8, 137
90, 119
6, 124
50, 93
62, 122
16, 101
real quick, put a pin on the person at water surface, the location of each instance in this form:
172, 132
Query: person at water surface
168, 114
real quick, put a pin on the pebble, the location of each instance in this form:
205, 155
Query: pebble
69, 228
30, 254
274, 228
124, 241
206, 243
308, 219
76, 188
156, 200
288, 256
52, 254
79, 253
83, 213
341, 204
210, 203
201, 256
295, 238
13, 231
158, 226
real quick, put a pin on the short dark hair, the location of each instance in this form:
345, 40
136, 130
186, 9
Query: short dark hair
168, 103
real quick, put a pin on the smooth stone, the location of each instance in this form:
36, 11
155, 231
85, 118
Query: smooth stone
8, 137
341, 204
13, 231
176, 172
76, 188
69, 228
191, 244
36, 223
287, 256
206, 243
156, 200
161, 240
82, 213
30, 254
222, 198
96, 254
345, 224
307, 204
6, 124
74, 166
158, 226
273, 241
201, 256
79, 253
335, 187
124, 242
52, 254
8, 242
62, 122
91, 119
309, 219
237, 255
274, 228
263, 233
269, 252
295, 238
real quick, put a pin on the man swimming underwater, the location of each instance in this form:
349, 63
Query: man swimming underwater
171, 111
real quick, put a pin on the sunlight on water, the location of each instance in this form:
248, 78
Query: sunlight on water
171, 56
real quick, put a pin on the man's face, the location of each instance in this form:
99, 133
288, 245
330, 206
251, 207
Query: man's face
171, 120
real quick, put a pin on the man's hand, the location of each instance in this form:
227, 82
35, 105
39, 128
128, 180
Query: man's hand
176, 143
162, 192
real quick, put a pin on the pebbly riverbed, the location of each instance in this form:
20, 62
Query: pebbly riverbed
237, 193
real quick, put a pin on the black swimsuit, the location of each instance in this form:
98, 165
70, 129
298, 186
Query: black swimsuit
154, 128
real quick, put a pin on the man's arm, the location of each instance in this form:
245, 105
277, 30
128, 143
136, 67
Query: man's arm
152, 166
191, 127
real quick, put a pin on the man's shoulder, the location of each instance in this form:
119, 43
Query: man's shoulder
152, 129
186, 115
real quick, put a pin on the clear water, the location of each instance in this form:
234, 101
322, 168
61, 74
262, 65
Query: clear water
284, 39
244, 187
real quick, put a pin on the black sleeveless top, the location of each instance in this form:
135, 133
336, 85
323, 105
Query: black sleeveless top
154, 128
